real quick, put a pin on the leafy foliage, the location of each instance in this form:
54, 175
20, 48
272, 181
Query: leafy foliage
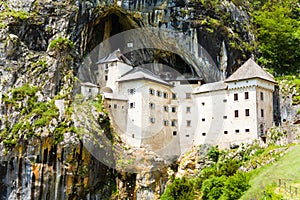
212, 188
278, 31
179, 189
61, 43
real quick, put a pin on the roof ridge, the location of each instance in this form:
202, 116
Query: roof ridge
250, 69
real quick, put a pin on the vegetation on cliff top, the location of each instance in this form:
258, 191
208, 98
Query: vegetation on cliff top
278, 34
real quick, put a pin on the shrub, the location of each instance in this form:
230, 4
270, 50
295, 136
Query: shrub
179, 189
212, 188
235, 186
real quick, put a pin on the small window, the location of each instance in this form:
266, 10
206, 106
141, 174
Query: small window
152, 120
132, 135
203, 119
225, 132
151, 91
173, 123
174, 96
261, 96
173, 109
224, 100
132, 105
224, 117
174, 133
246, 95
236, 97
236, 113
131, 91
237, 131
187, 95
115, 106
187, 135
262, 112
188, 123
247, 130
122, 107
203, 134
151, 105
109, 106
166, 122
166, 95
158, 93
166, 108
203, 103
90, 90
106, 77
247, 112
188, 109
261, 129
106, 65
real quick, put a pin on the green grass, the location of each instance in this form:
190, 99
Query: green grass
287, 167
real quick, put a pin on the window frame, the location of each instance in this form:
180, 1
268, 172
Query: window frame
236, 113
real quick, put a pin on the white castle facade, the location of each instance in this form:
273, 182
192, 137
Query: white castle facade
171, 115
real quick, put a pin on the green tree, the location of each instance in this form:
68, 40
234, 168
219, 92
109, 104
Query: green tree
212, 188
278, 32
179, 189
235, 186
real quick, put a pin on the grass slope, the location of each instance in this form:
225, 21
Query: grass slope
287, 167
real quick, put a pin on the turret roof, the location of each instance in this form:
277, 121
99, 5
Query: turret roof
250, 70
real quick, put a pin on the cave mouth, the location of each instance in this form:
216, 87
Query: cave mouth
115, 21
110, 23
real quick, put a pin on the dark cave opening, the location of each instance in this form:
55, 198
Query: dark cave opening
115, 21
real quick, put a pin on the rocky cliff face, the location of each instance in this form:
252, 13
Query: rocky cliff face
42, 44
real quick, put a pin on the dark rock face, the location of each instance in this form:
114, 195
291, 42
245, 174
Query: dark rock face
39, 168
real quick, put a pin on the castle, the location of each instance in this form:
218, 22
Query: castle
172, 113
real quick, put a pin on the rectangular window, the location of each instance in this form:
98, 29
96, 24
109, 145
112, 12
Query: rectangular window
158, 93
224, 117
203, 119
173, 96
115, 106
203, 103
224, 100
152, 120
187, 95
225, 132
237, 131
131, 91
262, 112
261, 96
247, 112
151, 105
203, 134
132, 105
106, 77
151, 91
166, 122
247, 130
166, 108
106, 65
188, 123
188, 109
236, 113
173, 123
236, 97
90, 90
174, 133
246, 95
166, 95
173, 109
